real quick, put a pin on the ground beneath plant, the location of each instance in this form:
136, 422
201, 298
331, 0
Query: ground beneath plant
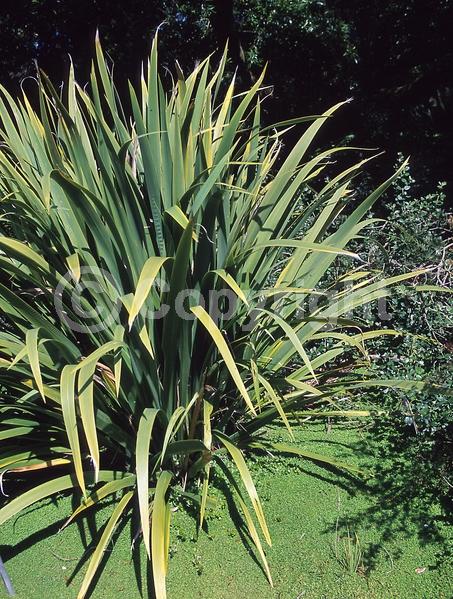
310, 511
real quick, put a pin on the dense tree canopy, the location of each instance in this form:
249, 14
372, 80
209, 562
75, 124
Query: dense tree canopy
390, 57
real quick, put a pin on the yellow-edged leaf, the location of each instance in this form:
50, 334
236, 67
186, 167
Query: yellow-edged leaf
220, 342
101, 546
145, 282
159, 534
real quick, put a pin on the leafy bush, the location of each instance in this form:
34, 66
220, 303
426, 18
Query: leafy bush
123, 374
418, 424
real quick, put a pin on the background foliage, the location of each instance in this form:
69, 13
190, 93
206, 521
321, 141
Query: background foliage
393, 58
419, 426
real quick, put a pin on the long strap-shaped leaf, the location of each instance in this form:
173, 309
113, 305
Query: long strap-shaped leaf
292, 336
105, 538
25, 254
248, 518
405, 384
142, 449
173, 322
87, 369
67, 395
86, 405
207, 440
276, 401
223, 274
67, 383
220, 342
31, 341
63, 483
106, 490
241, 465
310, 455
145, 282
159, 534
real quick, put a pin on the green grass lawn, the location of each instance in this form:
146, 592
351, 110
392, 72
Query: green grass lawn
403, 542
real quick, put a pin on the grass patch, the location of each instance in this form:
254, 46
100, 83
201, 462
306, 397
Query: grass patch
307, 508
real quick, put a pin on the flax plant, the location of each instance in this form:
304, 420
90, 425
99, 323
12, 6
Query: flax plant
119, 224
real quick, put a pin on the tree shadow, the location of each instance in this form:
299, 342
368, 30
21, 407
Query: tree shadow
326, 473
403, 495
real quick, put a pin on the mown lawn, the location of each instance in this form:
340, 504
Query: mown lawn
404, 544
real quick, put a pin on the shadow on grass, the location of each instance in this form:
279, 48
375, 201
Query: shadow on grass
135, 539
322, 471
406, 495
105, 556
238, 521
86, 522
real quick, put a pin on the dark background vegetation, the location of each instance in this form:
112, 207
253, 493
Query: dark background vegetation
395, 59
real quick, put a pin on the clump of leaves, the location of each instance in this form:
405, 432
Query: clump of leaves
348, 551
119, 376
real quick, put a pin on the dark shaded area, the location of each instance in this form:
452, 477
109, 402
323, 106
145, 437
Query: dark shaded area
6, 579
395, 59
86, 524
403, 492
404, 79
